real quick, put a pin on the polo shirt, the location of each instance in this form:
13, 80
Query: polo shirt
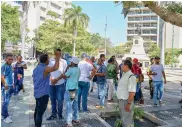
7, 72
126, 84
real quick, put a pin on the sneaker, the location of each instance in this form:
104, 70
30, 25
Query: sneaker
52, 117
110, 101
180, 101
87, 111
160, 102
8, 120
155, 105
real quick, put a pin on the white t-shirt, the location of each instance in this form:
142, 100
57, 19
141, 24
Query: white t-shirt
85, 69
126, 84
61, 70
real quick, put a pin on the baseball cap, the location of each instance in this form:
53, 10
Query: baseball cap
135, 60
74, 60
157, 57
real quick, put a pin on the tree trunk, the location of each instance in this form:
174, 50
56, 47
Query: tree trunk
166, 15
74, 41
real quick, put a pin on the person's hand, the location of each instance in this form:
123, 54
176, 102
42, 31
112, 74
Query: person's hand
127, 107
165, 81
6, 87
53, 81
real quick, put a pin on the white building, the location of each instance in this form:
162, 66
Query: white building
37, 14
147, 20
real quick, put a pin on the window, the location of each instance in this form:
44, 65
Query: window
146, 25
153, 31
153, 17
138, 18
138, 12
131, 19
146, 31
153, 24
146, 38
42, 9
146, 12
154, 38
146, 18
136, 42
55, 6
130, 25
131, 13
129, 38
131, 32
42, 18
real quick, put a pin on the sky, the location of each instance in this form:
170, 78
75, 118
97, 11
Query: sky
98, 11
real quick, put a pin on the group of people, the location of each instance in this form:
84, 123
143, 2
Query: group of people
69, 79
12, 76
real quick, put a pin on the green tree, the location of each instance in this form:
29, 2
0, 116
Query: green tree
10, 25
53, 14
51, 35
169, 58
170, 12
75, 17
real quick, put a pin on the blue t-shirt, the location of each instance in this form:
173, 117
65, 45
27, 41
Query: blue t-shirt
7, 72
157, 69
41, 83
72, 81
101, 69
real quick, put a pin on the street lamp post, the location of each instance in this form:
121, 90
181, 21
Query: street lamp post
105, 35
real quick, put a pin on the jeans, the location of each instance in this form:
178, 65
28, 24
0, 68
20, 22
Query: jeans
6, 94
158, 87
57, 98
101, 93
41, 105
83, 88
71, 108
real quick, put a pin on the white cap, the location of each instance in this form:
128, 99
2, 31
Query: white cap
75, 60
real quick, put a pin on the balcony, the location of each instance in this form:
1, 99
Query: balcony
43, 4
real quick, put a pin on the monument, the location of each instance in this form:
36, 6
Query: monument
137, 50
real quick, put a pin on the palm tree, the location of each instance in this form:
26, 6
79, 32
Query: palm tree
75, 17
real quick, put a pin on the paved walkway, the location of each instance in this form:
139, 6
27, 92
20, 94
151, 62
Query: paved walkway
22, 107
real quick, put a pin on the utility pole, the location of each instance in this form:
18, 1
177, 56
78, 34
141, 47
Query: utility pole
105, 35
172, 48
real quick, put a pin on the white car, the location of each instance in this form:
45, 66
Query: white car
31, 61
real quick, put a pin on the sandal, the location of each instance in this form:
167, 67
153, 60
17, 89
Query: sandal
75, 122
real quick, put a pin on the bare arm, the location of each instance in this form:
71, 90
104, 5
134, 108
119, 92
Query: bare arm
100, 74
131, 97
53, 68
164, 75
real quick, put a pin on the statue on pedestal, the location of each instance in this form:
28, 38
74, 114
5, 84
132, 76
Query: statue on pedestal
138, 29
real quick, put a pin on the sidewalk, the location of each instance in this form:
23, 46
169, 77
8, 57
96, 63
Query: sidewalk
22, 108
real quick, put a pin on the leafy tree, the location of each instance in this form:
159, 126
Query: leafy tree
10, 24
53, 14
51, 35
172, 58
75, 17
170, 12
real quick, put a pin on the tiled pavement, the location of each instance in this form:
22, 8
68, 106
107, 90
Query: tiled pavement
22, 108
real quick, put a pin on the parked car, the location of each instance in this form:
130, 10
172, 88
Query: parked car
31, 61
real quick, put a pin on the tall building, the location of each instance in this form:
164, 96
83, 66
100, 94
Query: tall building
148, 22
37, 14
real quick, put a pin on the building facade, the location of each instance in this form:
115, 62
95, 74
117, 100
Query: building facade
37, 13
148, 22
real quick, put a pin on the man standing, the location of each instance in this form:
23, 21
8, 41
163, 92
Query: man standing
125, 93
57, 87
84, 81
150, 78
7, 87
92, 82
157, 71
19, 67
101, 81
41, 80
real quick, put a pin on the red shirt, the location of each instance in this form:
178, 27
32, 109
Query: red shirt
89, 61
136, 69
